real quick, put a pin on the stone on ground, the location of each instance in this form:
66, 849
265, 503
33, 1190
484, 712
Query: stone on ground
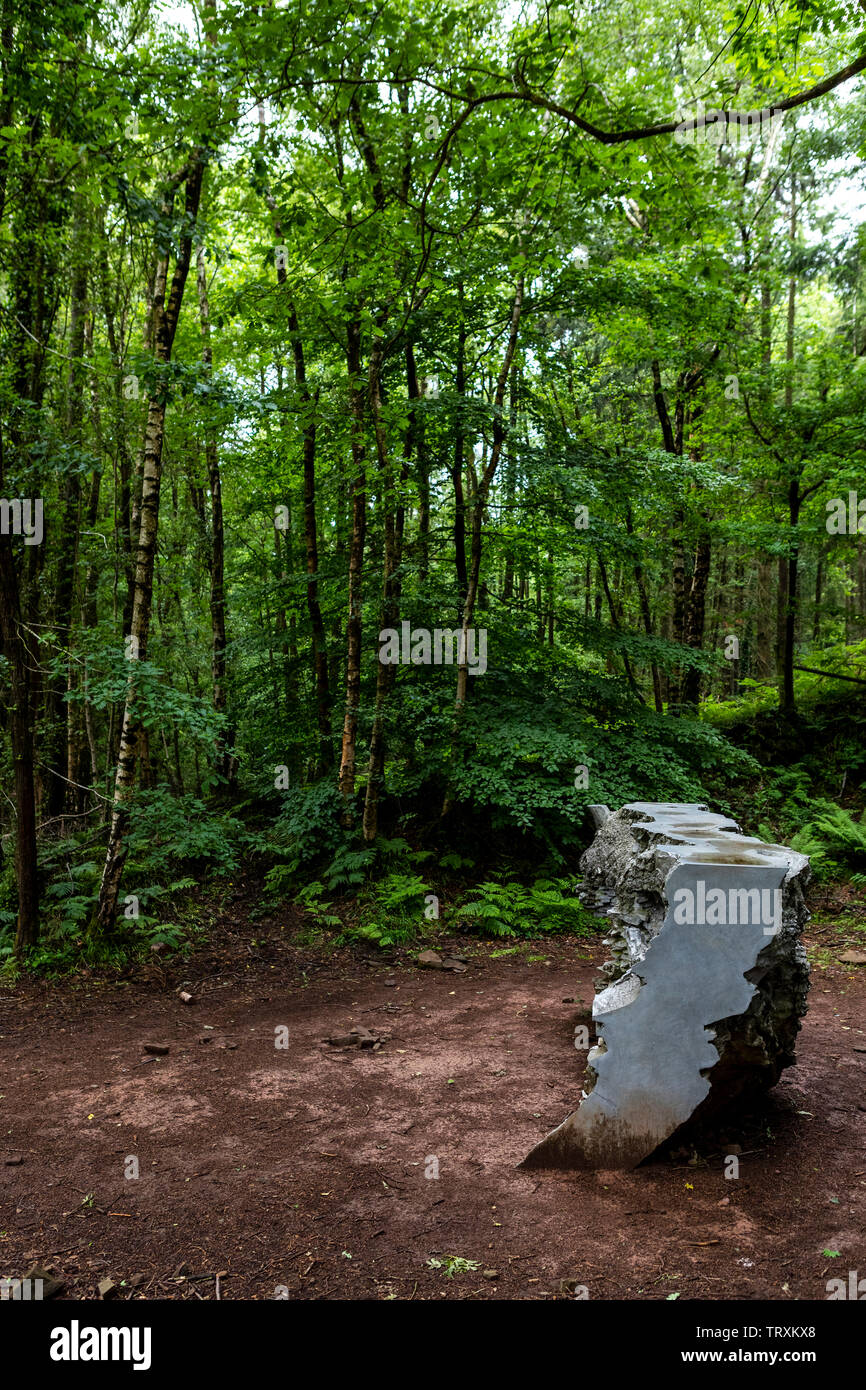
706, 985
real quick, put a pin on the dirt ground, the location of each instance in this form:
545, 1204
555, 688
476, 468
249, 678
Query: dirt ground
308, 1171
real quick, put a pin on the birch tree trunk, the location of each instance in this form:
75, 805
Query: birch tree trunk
165, 319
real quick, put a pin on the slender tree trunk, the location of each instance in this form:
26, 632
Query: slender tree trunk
792, 604
356, 575
325, 751
646, 614
763, 620
480, 502
510, 491
14, 647
816, 615
418, 435
678, 616
393, 528
285, 628
165, 325
457, 467
225, 762
694, 634
788, 569
59, 717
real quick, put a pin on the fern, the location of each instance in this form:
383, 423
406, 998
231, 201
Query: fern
509, 909
832, 839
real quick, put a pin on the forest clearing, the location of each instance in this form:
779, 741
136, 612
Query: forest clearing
302, 1175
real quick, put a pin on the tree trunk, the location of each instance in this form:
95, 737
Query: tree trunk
792, 603
58, 713
14, 648
645, 614
393, 528
166, 316
325, 751
417, 434
816, 616
696, 611
356, 574
457, 468
763, 620
480, 501
788, 595
225, 763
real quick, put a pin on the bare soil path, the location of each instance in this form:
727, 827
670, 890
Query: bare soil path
309, 1170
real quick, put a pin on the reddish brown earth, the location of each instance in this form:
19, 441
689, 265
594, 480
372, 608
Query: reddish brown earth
301, 1172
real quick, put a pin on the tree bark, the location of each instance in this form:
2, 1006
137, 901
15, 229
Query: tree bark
225, 762
356, 574
788, 597
14, 647
325, 751
58, 713
457, 466
394, 519
166, 314
479, 503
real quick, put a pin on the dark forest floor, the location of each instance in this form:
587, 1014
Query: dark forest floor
300, 1172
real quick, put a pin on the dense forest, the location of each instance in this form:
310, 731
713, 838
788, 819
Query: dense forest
420, 423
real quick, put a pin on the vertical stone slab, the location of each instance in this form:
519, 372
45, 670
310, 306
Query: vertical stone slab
711, 979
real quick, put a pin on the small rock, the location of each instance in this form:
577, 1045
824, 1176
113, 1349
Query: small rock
137, 1280
858, 1048
50, 1285
205, 1038
106, 1288
725, 1202
389, 984
157, 947
569, 1000
490, 1273
451, 963
429, 960
156, 1049
853, 957
186, 998
358, 1037
14, 1161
